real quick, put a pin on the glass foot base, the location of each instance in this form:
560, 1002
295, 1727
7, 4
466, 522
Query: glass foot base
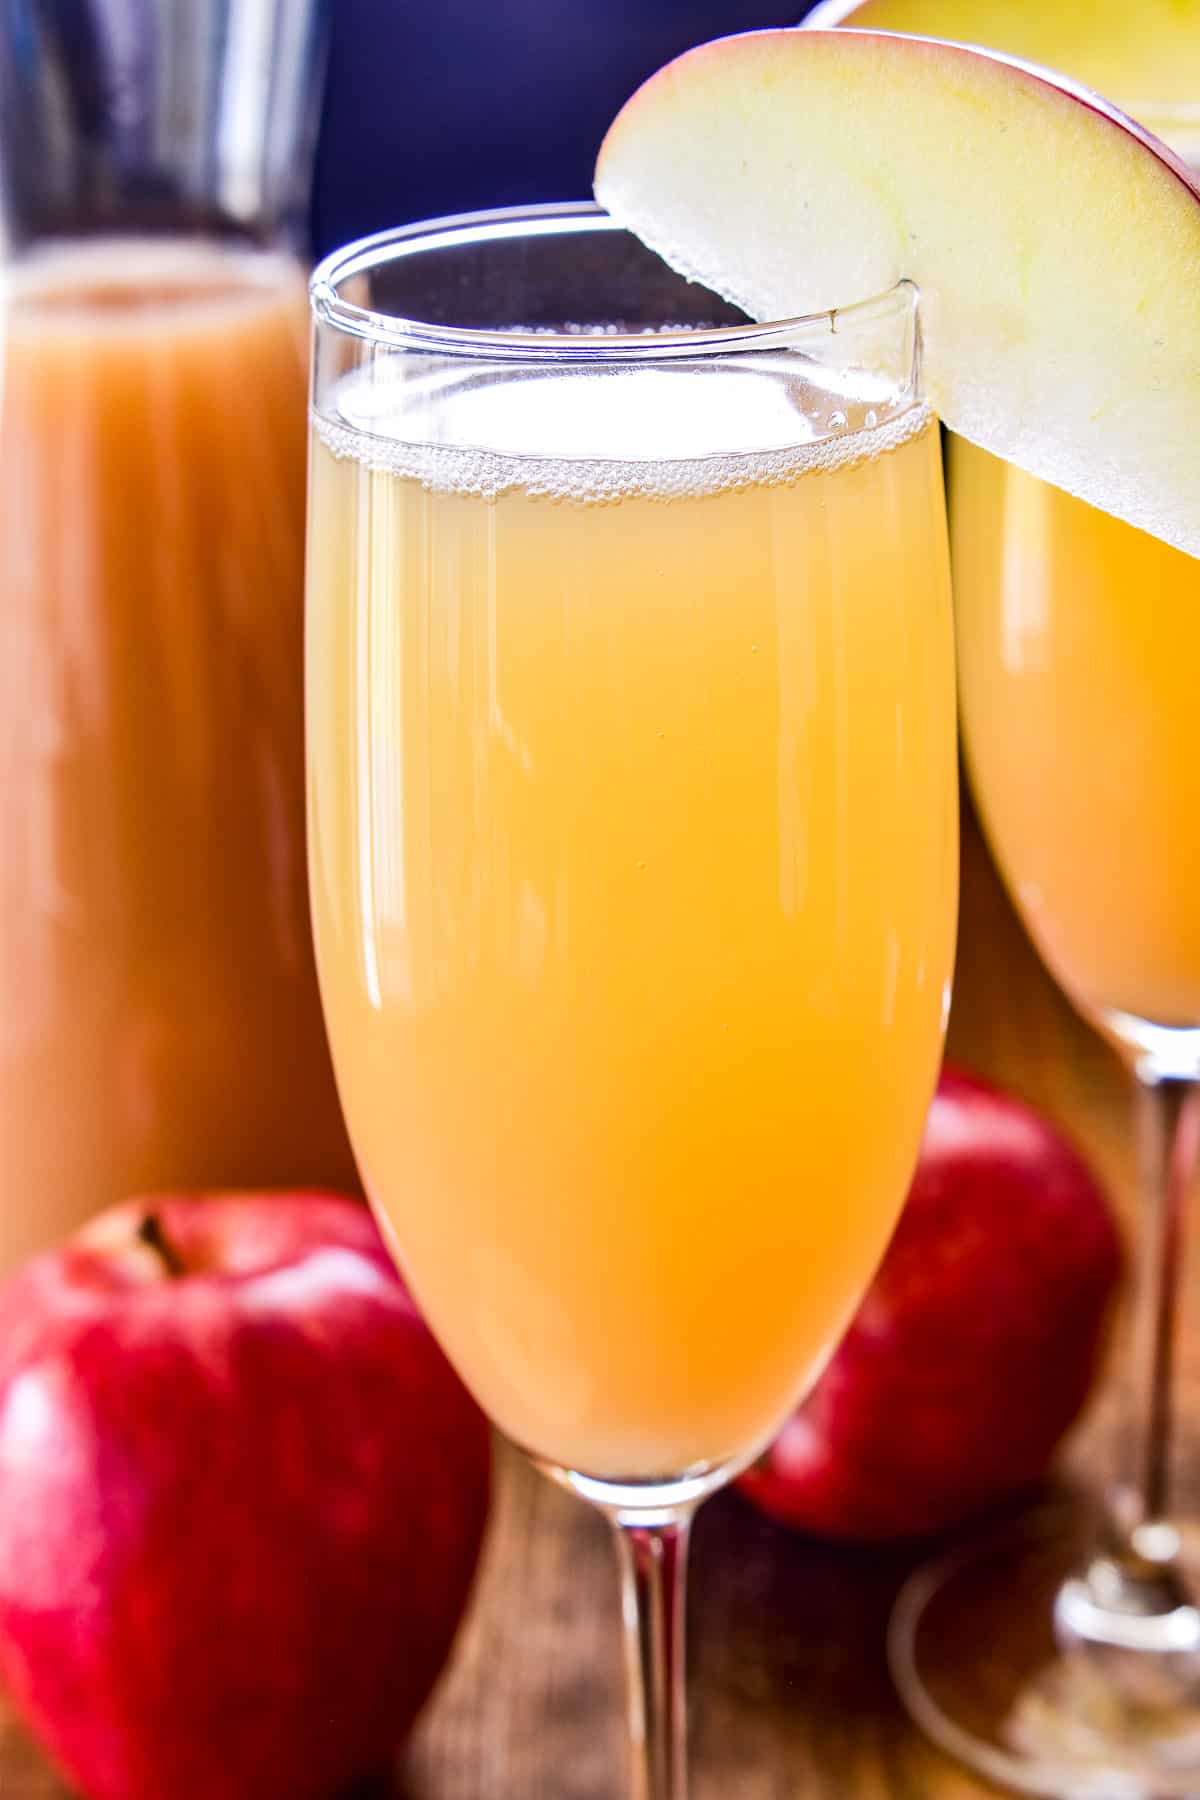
984, 1659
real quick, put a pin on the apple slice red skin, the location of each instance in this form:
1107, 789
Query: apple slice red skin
975, 1348
240, 1510
642, 171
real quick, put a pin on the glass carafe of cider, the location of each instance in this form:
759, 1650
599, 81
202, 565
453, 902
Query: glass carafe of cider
159, 1017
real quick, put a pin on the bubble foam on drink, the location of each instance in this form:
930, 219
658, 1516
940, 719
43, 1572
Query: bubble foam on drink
699, 427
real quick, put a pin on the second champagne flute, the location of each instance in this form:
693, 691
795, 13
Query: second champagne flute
1078, 645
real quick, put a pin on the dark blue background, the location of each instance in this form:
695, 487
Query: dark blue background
438, 106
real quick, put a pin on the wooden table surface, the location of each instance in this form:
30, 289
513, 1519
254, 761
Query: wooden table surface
790, 1698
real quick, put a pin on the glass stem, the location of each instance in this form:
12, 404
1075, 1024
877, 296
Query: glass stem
1134, 1605
1169, 1121
653, 1554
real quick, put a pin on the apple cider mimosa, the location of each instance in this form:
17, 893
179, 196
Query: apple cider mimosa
1087, 631
633, 840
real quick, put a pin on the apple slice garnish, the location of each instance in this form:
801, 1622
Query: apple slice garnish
1137, 53
1056, 245
1144, 57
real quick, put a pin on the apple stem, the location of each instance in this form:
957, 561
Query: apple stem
150, 1232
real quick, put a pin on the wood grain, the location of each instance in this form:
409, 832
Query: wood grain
790, 1695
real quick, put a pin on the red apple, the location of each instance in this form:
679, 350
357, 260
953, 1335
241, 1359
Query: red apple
976, 1346
242, 1496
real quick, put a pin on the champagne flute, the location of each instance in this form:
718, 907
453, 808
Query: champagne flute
632, 813
1078, 643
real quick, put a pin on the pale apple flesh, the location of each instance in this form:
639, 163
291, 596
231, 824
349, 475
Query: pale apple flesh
1136, 54
1055, 244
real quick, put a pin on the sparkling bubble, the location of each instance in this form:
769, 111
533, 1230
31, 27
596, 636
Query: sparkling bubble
487, 474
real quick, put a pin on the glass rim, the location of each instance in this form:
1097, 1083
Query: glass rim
331, 309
